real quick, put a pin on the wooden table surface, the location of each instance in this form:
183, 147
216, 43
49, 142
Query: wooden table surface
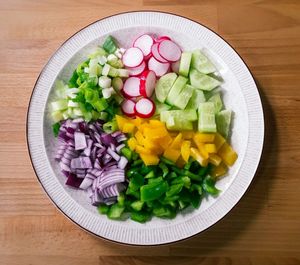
264, 228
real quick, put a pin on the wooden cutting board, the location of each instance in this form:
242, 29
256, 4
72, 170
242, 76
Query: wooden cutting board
264, 228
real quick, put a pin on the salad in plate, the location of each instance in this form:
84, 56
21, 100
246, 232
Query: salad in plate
143, 129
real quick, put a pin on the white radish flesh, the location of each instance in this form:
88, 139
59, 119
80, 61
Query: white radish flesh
147, 85
169, 50
145, 43
144, 108
156, 54
131, 87
133, 57
135, 71
157, 67
128, 107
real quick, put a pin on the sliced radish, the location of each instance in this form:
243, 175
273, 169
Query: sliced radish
148, 80
148, 56
135, 71
144, 42
144, 108
128, 107
175, 67
133, 57
156, 54
169, 50
161, 38
131, 87
157, 67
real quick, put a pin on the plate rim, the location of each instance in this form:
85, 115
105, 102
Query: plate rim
260, 151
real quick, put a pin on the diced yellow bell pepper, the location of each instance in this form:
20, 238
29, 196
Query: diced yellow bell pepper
228, 155
139, 137
198, 157
142, 150
128, 128
132, 143
219, 140
185, 150
202, 150
150, 159
215, 159
171, 154
158, 132
204, 137
210, 148
176, 144
187, 134
137, 121
165, 141
219, 171
180, 162
121, 121
156, 123
142, 127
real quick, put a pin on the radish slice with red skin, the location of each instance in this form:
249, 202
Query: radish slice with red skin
147, 86
133, 57
144, 43
161, 38
175, 67
157, 67
131, 87
169, 50
156, 54
127, 107
135, 71
148, 56
144, 108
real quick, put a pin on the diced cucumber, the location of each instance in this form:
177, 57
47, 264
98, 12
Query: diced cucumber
185, 62
203, 81
176, 89
216, 99
177, 124
184, 97
160, 107
223, 119
197, 97
207, 122
188, 114
164, 85
201, 63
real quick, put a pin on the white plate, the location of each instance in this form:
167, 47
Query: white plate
240, 94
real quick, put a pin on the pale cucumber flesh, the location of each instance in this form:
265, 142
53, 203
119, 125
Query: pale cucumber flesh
176, 89
164, 85
203, 81
184, 97
216, 99
201, 63
185, 62
223, 119
207, 121
197, 97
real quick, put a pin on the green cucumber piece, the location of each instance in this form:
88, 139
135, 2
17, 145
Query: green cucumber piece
176, 89
164, 85
201, 63
160, 107
185, 62
184, 97
197, 97
207, 121
203, 81
177, 124
223, 119
216, 99
188, 114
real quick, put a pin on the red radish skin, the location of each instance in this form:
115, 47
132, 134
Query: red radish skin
144, 42
135, 71
156, 54
148, 56
128, 107
147, 85
161, 38
169, 50
144, 108
133, 57
157, 67
175, 67
131, 87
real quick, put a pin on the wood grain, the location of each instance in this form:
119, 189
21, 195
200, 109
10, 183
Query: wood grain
264, 228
